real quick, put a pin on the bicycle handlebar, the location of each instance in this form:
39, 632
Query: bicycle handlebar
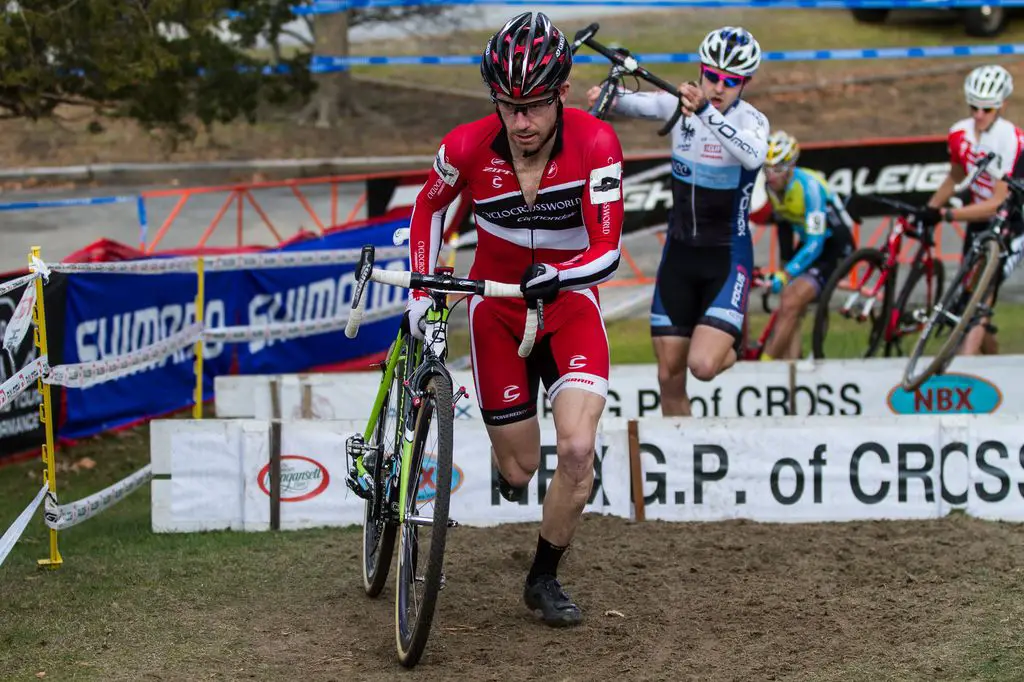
443, 283
628, 64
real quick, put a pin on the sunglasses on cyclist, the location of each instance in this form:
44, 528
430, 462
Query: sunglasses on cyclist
715, 76
530, 108
987, 110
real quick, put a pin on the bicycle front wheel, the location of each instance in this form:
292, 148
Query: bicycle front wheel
425, 496
860, 290
972, 284
917, 299
379, 530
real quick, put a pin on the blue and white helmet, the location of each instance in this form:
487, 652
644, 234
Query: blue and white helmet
731, 49
988, 86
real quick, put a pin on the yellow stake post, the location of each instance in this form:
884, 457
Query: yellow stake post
45, 412
197, 407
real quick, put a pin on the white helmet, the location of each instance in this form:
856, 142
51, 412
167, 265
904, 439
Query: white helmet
988, 86
731, 49
783, 149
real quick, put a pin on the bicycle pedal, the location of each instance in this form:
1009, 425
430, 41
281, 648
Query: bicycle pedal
355, 445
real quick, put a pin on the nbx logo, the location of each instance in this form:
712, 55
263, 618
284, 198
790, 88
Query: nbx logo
545, 473
941, 399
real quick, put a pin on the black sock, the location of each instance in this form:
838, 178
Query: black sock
546, 560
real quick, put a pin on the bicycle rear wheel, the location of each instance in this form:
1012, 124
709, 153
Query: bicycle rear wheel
973, 283
866, 267
424, 530
378, 530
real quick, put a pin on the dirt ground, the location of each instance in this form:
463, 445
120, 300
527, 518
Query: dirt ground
722, 601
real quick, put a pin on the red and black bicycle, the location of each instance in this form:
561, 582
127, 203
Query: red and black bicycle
866, 288
752, 350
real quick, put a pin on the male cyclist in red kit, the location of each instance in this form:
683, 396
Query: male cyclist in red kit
546, 185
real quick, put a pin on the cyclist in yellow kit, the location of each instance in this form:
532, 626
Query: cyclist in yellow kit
801, 202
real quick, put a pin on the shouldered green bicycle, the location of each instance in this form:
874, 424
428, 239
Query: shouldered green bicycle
401, 464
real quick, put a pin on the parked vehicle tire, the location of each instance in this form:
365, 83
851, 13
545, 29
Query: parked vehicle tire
985, 21
870, 16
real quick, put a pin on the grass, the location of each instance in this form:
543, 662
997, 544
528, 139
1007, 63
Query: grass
122, 586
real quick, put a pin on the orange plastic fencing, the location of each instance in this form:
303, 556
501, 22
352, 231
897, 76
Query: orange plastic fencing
239, 194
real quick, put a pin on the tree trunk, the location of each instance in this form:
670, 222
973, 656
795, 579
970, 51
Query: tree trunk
330, 34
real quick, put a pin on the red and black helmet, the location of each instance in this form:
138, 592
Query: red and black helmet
527, 57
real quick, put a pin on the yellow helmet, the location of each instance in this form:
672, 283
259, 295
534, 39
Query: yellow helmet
783, 149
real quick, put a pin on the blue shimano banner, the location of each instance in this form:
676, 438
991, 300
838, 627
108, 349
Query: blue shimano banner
307, 294
108, 315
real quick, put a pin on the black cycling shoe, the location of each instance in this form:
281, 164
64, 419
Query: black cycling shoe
548, 601
508, 491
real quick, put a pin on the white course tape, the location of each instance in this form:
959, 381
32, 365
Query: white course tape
13, 284
149, 266
22, 381
240, 261
293, 330
62, 516
10, 537
85, 374
20, 322
37, 266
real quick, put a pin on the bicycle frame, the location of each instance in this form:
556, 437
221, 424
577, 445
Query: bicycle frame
893, 246
426, 360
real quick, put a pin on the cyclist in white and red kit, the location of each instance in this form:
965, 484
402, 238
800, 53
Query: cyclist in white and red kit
986, 89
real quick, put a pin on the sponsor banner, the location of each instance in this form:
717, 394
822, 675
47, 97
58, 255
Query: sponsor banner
792, 470
20, 430
831, 469
313, 470
218, 473
801, 469
971, 385
993, 453
110, 315
308, 294
851, 388
478, 503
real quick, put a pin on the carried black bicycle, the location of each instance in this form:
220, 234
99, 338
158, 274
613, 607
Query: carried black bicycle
623, 64
401, 464
966, 300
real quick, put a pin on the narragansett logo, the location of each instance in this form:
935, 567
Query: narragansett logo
302, 478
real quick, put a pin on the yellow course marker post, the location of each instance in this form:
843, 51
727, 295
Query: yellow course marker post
197, 406
45, 411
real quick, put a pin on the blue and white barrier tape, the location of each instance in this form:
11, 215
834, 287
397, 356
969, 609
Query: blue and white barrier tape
333, 6
65, 203
328, 64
